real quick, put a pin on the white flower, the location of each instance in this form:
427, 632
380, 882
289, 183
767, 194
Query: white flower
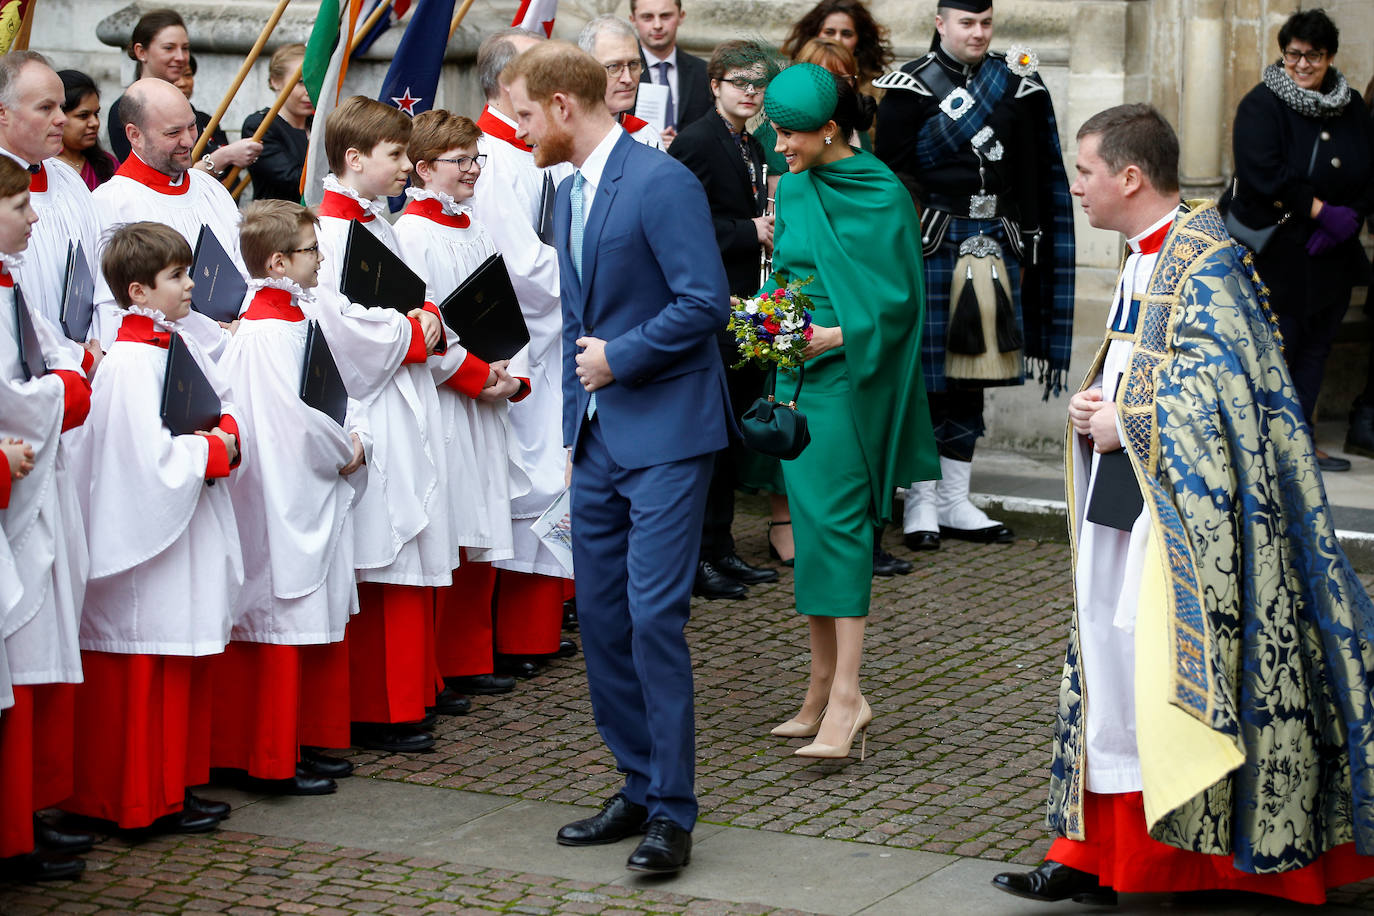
751, 307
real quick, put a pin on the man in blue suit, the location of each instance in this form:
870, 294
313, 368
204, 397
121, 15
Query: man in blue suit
645, 407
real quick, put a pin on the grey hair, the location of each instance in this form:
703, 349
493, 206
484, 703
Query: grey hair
10, 66
495, 52
606, 22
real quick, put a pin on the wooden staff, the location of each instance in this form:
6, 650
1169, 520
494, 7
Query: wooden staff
248, 62
458, 18
290, 84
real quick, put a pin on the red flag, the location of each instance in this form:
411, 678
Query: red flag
536, 16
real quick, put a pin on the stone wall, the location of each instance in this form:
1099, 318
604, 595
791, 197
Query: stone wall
1193, 59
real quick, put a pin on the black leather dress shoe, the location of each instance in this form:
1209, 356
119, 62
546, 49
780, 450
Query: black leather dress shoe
39, 866
398, 739
450, 702
618, 819
1055, 881
993, 534
570, 615
666, 848
1331, 463
481, 685
921, 540
885, 564
521, 666
321, 764
181, 822
197, 805
711, 583
732, 566
566, 649
71, 842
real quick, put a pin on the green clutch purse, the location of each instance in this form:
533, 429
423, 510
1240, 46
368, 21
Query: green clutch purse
774, 428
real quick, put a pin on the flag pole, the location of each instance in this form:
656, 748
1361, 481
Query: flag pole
458, 18
290, 84
248, 63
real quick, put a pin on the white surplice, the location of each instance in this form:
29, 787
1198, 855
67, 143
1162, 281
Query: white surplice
484, 466
291, 505
507, 203
165, 563
1109, 561
137, 193
401, 535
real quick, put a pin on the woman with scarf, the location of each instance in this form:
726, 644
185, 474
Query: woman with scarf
845, 220
1304, 152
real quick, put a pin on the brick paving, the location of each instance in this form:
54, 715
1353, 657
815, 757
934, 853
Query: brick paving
962, 664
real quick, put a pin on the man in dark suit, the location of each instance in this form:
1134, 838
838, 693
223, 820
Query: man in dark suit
689, 93
644, 410
728, 162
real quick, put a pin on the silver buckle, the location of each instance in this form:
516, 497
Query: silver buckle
982, 206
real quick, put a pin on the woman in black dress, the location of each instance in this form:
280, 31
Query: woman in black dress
277, 173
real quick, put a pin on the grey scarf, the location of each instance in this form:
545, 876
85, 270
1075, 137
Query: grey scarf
1308, 102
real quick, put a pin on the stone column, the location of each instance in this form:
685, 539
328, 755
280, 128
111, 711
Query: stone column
1202, 112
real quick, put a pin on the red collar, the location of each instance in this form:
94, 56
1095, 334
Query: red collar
432, 209
38, 181
6, 279
136, 169
632, 124
140, 329
341, 206
273, 303
493, 126
1155, 240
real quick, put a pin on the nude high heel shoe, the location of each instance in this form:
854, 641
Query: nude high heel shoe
796, 728
838, 751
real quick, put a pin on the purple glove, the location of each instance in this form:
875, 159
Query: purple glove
1320, 241
1339, 222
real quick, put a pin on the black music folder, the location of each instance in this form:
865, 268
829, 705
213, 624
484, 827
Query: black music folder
485, 314
189, 401
220, 287
321, 385
1115, 500
374, 276
543, 227
31, 361
78, 294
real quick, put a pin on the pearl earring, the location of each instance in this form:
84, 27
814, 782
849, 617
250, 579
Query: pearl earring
827, 141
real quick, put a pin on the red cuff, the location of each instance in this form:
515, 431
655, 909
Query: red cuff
417, 352
76, 398
217, 465
231, 426
471, 377
5, 483
87, 360
525, 389
443, 337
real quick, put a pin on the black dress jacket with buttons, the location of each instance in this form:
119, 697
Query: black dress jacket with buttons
1284, 160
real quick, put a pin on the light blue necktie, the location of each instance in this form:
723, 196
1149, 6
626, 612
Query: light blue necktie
575, 244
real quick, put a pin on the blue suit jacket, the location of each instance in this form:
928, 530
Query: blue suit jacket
654, 289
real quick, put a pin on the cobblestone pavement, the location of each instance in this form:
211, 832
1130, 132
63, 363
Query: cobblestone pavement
962, 665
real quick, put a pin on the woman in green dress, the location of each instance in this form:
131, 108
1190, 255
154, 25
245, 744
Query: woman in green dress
844, 219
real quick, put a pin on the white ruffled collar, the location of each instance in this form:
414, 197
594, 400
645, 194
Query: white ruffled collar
12, 262
282, 283
451, 206
159, 320
375, 207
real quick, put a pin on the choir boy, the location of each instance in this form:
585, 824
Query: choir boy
165, 569
43, 575
300, 476
445, 244
401, 540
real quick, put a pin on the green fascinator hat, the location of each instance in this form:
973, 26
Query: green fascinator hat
802, 97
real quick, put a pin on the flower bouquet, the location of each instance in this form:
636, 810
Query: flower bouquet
772, 328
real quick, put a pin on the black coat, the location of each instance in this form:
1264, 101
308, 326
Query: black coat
1274, 148
277, 173
706, 147
693, 88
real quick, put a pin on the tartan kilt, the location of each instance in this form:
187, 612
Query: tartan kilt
939, 269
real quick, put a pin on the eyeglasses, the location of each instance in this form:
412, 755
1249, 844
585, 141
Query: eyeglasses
748, 84
313, 249
635, 67
1312, 57
465, 163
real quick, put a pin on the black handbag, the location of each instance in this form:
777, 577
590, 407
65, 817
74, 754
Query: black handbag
1258, 238
774, 428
